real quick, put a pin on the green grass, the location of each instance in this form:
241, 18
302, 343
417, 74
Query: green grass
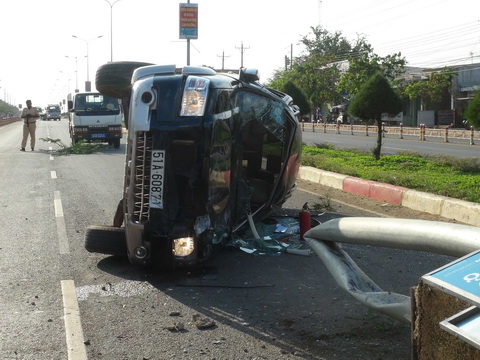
441, 175
80, 147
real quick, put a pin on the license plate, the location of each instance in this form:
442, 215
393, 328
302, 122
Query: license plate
157, 179
98, 136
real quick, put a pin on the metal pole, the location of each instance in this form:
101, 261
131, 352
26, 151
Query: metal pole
87, 43
111, 33
188, 46
111, 27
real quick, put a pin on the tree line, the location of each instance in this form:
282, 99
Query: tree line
334, 70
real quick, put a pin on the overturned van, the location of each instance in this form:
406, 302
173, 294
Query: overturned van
207, 154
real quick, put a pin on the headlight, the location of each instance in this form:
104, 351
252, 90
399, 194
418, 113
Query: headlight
194, 96
183, 246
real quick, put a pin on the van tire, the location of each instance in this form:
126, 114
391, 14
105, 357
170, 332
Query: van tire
114, 79
116, 143
107, 240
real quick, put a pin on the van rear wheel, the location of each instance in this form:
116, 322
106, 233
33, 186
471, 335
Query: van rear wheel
113, 79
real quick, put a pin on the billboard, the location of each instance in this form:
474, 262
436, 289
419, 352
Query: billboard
188, 21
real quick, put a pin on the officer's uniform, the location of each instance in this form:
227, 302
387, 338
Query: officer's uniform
29, 126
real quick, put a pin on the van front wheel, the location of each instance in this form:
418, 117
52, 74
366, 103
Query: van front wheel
107, 240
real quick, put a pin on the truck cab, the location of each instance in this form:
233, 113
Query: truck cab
95, 117
53, 112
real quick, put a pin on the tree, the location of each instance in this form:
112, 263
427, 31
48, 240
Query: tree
430, 89
472, 112
8, 110
298, 96
333, 67
374, 98
364, 63
317, 71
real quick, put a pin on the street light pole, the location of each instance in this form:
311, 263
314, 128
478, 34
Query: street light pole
87, 42
76, 71
111, 27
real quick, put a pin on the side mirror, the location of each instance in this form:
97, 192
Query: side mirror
70, 105
249, 75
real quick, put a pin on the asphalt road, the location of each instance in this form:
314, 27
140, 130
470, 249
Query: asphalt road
60, 302
458, 147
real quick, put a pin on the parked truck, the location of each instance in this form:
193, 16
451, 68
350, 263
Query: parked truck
95, 117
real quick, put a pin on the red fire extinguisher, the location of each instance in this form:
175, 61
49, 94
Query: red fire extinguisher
305, 220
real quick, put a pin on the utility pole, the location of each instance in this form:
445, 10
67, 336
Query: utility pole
291, 56
319, 12
223, 59
242, 50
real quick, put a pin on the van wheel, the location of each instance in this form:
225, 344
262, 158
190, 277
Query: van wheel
107, 240
113, 79
116, 143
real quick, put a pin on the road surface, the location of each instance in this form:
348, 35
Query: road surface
61, 302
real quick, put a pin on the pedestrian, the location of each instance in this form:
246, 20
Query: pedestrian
30, 116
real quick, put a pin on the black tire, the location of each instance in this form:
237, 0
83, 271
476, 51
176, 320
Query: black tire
107, 240
114, 79
116, 143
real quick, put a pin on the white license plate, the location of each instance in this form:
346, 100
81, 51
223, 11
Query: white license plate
157, 179
98, 136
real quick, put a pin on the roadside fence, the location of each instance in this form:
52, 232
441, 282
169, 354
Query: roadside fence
9, 120
421, 132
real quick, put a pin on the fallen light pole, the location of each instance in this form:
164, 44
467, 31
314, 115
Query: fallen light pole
421, 235
438, 330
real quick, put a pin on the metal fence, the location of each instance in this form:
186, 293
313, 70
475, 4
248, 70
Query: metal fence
399, 132
9, 120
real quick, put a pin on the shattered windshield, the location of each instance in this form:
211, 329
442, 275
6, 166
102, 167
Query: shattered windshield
268, 112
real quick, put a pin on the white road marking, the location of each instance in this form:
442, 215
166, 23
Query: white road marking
61, 228
73, 326
393, 148
53, 174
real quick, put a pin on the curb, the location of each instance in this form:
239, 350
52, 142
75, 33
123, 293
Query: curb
454, 209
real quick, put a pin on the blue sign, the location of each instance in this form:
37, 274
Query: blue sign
463, 274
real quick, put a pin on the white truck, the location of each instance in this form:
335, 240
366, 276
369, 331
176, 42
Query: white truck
95, 117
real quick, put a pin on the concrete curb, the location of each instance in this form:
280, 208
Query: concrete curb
459, 210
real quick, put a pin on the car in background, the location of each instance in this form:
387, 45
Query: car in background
208, 154
53, 112
41, 113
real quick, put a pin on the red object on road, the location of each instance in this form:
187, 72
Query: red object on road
305, 221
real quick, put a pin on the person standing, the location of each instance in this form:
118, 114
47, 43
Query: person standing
29, 116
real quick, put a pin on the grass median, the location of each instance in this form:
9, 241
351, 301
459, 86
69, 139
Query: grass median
441, 175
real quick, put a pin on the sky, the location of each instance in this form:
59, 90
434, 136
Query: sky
41, 60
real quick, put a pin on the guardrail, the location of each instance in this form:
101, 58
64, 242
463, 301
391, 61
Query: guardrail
397, 131
9, 120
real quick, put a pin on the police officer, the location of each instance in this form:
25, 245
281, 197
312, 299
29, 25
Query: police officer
29, 116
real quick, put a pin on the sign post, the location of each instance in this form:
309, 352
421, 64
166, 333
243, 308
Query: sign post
188, 24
